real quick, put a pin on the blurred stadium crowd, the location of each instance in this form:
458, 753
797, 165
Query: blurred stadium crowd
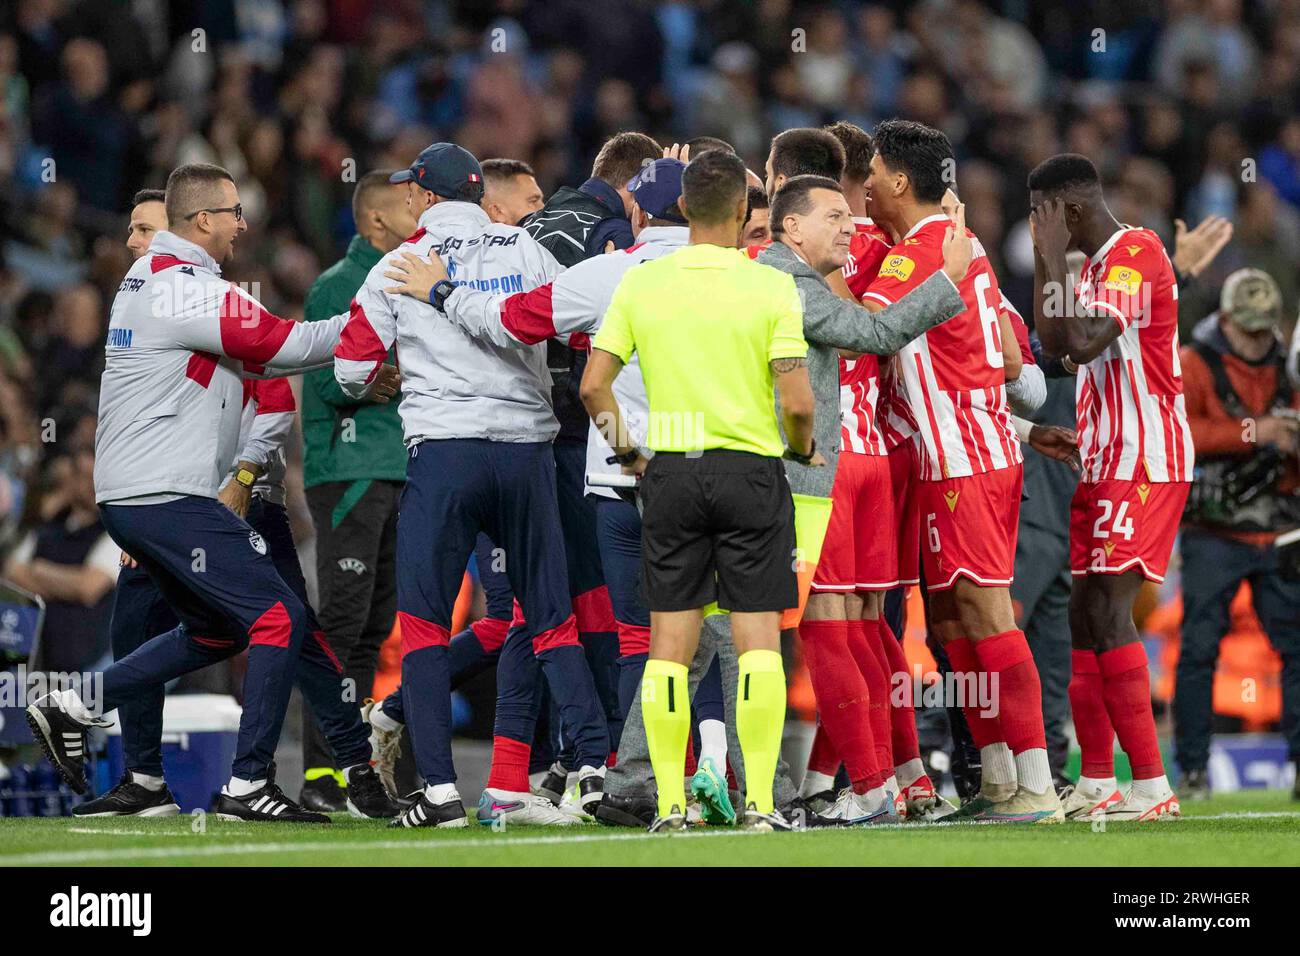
1188, 107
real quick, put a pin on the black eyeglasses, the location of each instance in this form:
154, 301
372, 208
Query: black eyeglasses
237, 209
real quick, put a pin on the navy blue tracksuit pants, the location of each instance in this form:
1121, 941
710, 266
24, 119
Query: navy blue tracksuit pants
455, 489
139, 613
231, 586
478, 647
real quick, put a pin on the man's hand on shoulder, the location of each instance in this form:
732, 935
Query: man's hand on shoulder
415, 276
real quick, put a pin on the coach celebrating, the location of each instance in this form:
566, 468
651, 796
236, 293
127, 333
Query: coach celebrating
713, 330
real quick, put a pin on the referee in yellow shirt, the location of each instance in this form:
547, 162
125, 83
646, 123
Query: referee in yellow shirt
714, 331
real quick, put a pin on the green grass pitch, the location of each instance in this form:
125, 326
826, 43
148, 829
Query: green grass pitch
1237, 829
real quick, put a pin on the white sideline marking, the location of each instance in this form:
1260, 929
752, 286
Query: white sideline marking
434, 845
165, 852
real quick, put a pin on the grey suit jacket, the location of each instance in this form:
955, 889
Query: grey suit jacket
831, 323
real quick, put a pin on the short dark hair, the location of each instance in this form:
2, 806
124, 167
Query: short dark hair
805, 151
757, 200
857, 148
699, 144
622, 157
148, 195
1063, 173
713, 184
189, 188
503, 169
794, 198
921, 152
369, 186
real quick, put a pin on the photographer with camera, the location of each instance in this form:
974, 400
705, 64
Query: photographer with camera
1241, 408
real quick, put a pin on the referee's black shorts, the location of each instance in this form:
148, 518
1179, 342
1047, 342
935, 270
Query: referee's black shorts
718, 526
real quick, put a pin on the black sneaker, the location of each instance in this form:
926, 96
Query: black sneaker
1195, 785
366, 796
324, 795
619, 811
62, 737
265, 804
130, 799
820, 801
765, 822
801, 816
425, 813
674, 821
553, 784
590, 791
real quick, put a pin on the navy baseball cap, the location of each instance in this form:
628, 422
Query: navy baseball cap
443, 169
657, 187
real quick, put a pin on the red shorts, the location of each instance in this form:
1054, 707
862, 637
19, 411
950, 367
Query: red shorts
1118, 526
907, 519
970, 527
859, 553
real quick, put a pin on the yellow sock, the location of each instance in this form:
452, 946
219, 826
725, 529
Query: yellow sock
760, 718
666, 711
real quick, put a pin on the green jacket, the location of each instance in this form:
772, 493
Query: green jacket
345, 440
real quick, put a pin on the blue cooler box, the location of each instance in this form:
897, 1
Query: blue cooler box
199, 735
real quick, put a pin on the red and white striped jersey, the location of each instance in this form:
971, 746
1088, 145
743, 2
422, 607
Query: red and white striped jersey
859, 398
867, 250
952, 377
1132, 419
860, 378
893, 414
1020, 328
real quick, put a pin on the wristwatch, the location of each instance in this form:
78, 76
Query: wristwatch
797, 457
245, 477
438, 294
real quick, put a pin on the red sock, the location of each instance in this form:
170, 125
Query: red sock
509, 765
902, 715
844, 699
1126, 687
870, 660
1091, 721
1019, 692
691, 765
984, 729
823, 758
